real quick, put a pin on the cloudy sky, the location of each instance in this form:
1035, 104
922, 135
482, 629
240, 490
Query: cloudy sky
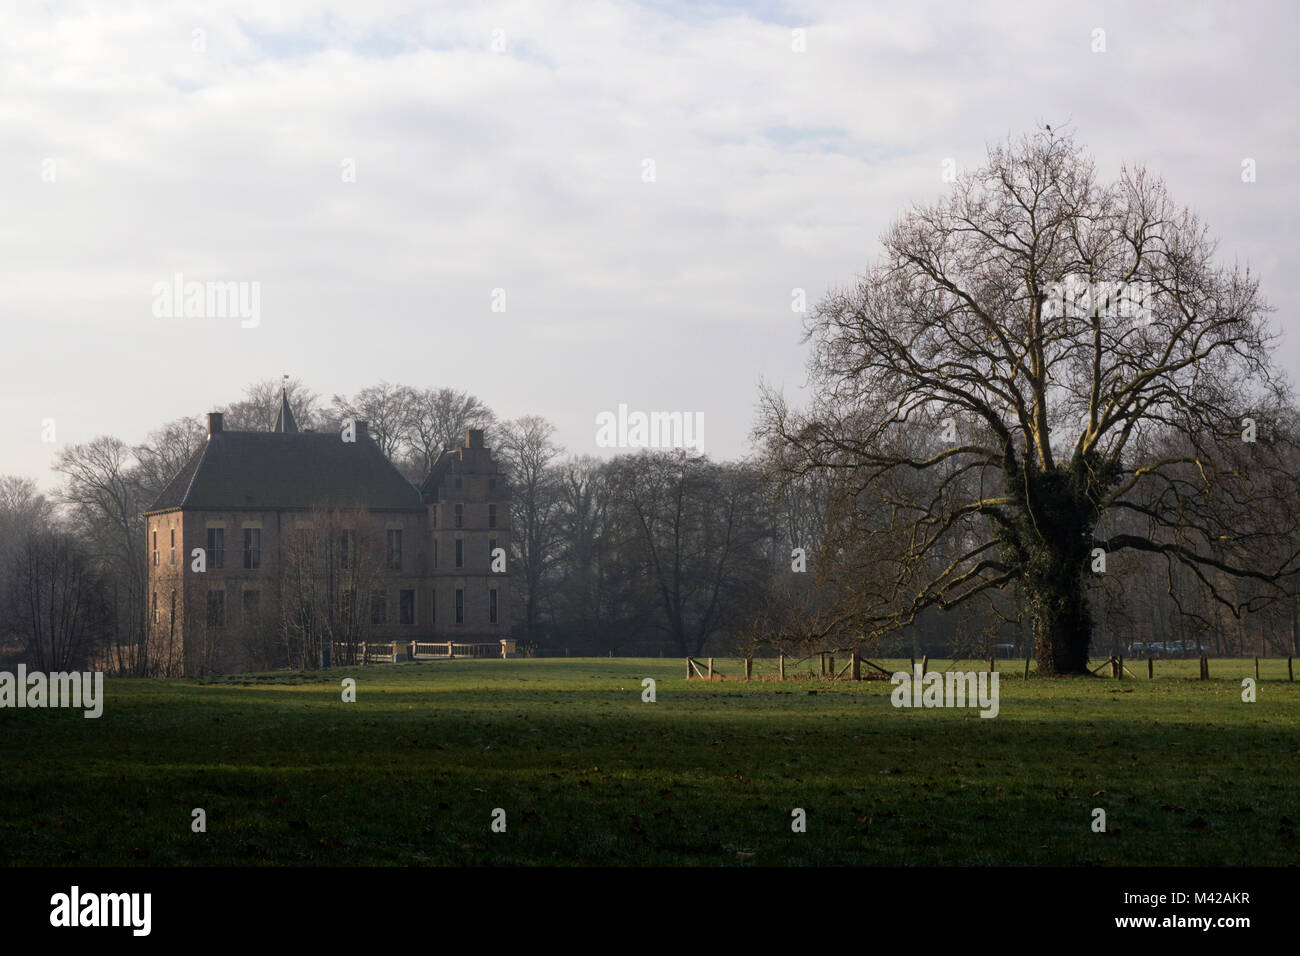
380, 168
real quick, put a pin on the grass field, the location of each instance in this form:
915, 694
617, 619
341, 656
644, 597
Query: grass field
708, 774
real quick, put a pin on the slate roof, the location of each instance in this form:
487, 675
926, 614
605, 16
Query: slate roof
284, 470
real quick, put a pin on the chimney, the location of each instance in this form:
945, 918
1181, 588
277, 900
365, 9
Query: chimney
214, 423
473, 438
363, 428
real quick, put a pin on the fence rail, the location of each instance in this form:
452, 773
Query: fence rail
853, 666
390, 652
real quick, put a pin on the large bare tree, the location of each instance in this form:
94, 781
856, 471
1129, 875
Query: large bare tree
1036, 350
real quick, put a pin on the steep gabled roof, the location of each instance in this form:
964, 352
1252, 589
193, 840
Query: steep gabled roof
282, 470
284, 420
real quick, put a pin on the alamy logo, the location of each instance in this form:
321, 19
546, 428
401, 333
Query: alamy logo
1076, 297
951, 689
55, 690
102, 909
179, 299
626, 429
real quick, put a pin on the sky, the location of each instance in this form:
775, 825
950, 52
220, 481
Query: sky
559, 207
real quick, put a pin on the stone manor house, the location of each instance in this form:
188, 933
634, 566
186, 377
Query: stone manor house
260, 504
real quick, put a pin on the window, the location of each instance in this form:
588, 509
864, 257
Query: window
492, 606
460, 553
155, 547
492, 516
155, 607
378, 607
460, 515
252, 547
347, 545
492, 546
216, 609
492, 483
171, 622
216, 547
433, 606
435, 555
395, 550
458, 482
460, 606
406, 607
251, 601
172, 559
433, 513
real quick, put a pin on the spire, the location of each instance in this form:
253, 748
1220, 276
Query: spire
284, 420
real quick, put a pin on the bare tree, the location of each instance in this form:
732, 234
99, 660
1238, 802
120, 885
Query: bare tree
701, 538
104, 500
387, 409
1033, 352
527, 453
331, 562
257, 411
56, 602
438, 418
165, 452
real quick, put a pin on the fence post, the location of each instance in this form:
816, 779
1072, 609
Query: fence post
1151, 669
749, 667
1026, 667
782, 668
1290, 675
1205, 667
688, 668
1119, 667
823, 657
857, 665
925, 664
990, 665
1256, 668
832, 663
710, 668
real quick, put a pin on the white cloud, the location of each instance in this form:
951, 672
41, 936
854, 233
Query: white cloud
522, 170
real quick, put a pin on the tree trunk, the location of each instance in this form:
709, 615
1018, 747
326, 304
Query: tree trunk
1062, 628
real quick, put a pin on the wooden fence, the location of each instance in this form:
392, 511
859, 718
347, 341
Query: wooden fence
423, 650
853, 668
390, 652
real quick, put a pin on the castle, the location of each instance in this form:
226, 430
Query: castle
279, 548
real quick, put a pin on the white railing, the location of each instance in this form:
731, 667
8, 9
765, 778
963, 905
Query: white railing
389, 651
452, 649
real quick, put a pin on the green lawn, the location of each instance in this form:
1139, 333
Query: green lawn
708, 774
